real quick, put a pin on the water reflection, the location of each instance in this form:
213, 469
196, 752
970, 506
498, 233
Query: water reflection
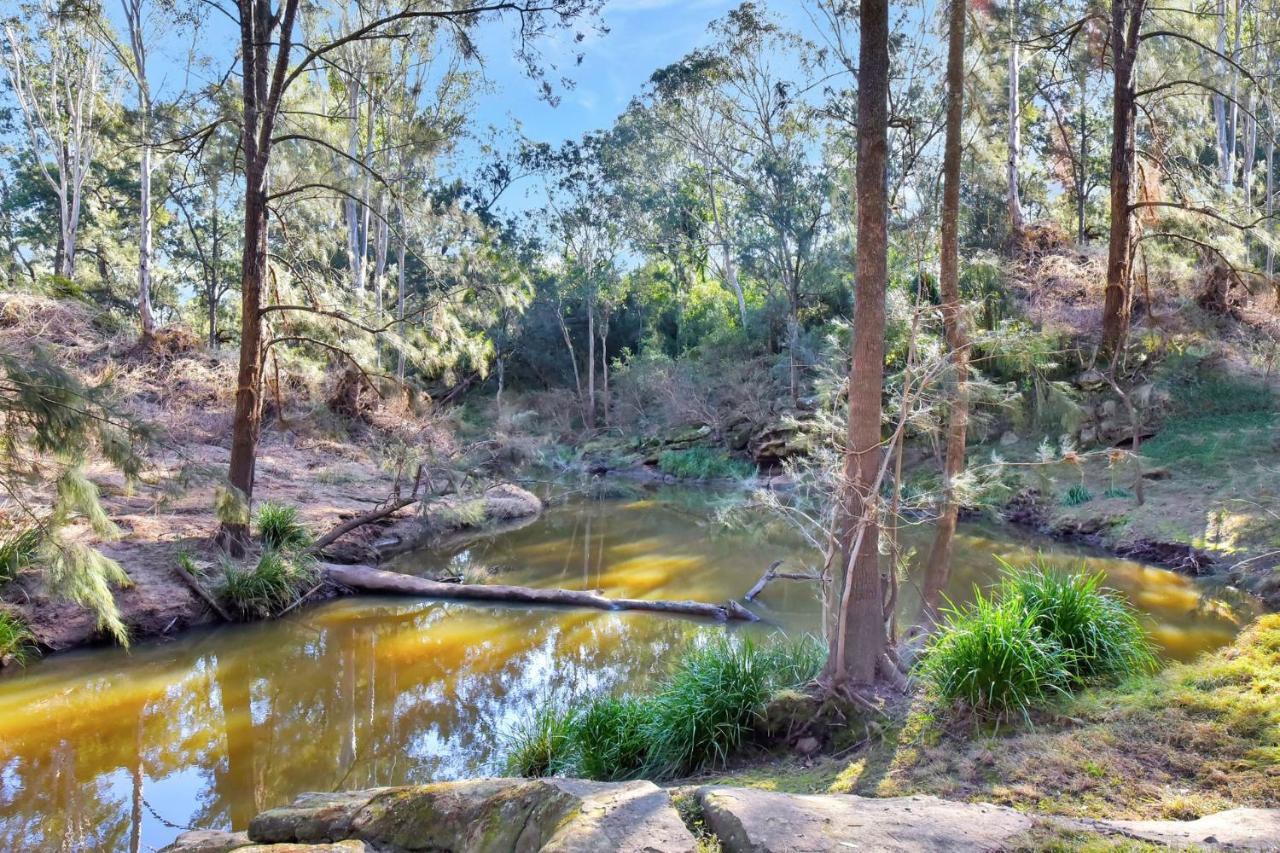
103, 750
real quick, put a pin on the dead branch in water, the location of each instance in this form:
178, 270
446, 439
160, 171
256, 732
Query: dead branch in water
199, 589
391, 505
369, 579
771, 574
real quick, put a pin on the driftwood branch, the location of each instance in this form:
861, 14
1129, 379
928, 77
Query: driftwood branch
199, 589
392, 505
369, 579
771, 574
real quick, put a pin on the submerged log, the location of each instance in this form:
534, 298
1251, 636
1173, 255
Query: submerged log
370, 579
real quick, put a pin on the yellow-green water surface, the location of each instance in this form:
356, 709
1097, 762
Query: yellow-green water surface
112, 750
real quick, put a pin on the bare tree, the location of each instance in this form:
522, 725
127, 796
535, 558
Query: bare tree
56, 73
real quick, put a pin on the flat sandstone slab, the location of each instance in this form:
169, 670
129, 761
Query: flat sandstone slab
1235, 829
471, 816
751, 821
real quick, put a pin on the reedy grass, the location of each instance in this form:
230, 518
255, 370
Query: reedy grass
17, 643
704, 710
279, 528
993, 659
269, 587
701, 463
17, 551
1097, 627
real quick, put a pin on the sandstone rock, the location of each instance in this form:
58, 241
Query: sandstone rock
486, 816
208, 841
751, 821
1236, 829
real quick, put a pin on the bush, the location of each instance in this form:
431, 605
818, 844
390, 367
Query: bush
702, 463
1077, 495
707, 708
1095, 626
542, 745
992, 658
269, 587
16, 640
279, 528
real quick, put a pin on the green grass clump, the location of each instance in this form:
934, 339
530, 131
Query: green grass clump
17, 551
17, 643
1077, 495
612, 737
279, 528
1041, 634
703, 463
1208, 443
699, 715
269, 587
1095, 626
992, 658
543, 744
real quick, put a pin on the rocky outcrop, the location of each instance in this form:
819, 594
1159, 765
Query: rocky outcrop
751, 821
496, 508
473, 816
1236, 829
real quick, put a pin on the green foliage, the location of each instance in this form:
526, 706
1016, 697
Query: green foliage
275, 583
542, 745
1206, 444
704, 710
992, 658
279, 528
703, 463
1041, 634
612, 737
1076, 495
17, 643
1117, 492
1097, 628
230, 506
18, 551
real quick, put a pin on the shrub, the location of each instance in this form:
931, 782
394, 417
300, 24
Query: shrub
1094, 625
269, 587
16, 640
702, 463
993, 658
611, 737
542, 744
279, 528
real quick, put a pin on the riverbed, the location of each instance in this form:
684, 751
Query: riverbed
107, 749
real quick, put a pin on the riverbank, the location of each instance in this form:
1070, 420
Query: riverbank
1189, 741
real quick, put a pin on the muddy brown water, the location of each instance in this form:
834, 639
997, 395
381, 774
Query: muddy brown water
112, 750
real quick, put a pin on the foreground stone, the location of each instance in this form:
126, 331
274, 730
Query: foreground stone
1236, 829
750, 821
474, 816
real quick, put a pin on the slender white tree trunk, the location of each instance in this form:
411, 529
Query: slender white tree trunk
1016, 218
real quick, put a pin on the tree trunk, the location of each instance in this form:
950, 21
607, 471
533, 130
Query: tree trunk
859, 639
144, 238
1016, 219
1082, 187
591, 363
938, 569
1220, 105
1126, 17
1270, 202
215, 278
730, 268
400, 259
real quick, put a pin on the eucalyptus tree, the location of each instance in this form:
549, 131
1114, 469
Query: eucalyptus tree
270, 32
55, 66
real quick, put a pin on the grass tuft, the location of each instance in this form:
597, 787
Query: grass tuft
18, 551
707, 708
273, 584
1077, 495
17, 643
702, 463
279, 528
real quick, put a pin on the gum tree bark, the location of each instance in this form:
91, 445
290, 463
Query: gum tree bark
859, 638
1016, 219
1126, 20
938, 569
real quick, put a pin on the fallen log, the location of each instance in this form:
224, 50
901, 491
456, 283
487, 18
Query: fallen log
199, 589
369, 579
